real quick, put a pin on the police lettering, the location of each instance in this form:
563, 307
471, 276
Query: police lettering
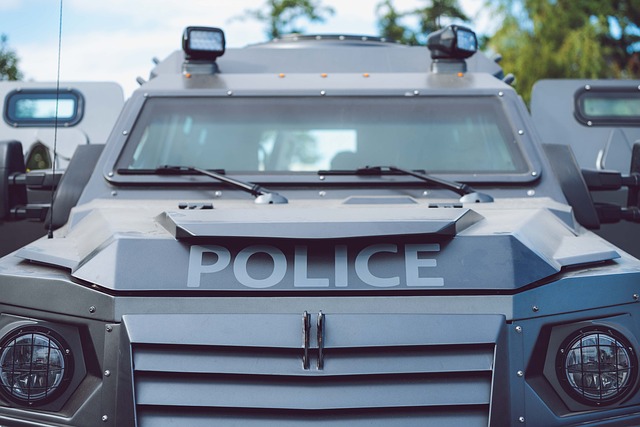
216, 261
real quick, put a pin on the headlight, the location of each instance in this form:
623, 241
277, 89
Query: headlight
35, 366
596, 366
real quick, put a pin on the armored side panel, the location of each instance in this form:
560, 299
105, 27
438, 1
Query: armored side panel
600, 121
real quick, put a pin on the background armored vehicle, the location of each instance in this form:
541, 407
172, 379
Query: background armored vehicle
86, 112
600, 120
326, 230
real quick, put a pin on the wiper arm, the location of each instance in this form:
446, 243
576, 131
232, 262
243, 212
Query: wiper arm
262, 195
469, 195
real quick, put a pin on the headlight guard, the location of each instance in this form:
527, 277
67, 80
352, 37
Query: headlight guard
35, 365
596, 366
41, 363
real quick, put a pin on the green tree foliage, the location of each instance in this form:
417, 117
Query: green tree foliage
8, 61
566, 39
623, 48
390, 26
430, 18
282, 16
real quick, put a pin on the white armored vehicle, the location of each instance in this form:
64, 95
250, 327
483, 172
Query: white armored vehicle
50, 120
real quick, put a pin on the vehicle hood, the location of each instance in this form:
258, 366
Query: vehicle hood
315, 246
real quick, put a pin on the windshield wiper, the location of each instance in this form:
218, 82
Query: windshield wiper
262, 195
467, 193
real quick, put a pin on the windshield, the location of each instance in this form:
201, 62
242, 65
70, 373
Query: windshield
458, 135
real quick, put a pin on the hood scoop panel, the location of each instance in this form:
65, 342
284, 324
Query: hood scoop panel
343, 248
336, 223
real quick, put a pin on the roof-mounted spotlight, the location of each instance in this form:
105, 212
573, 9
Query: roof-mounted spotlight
452, 42
203, 43
449, 48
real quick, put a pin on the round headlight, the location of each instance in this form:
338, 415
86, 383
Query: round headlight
597, 367
34, 366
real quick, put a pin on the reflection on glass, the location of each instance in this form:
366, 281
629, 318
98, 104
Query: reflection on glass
31, 366
435, 134
598, 366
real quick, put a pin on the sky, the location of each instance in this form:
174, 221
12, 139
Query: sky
116, 40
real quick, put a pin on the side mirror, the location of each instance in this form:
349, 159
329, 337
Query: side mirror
573, 184
11, 163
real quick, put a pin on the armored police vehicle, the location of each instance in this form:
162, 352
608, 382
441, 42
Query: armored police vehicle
600, 120
51, 119
329, 230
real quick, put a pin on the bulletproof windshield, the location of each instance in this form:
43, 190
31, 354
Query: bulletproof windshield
276, 135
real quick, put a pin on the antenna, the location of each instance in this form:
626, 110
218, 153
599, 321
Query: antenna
55, 126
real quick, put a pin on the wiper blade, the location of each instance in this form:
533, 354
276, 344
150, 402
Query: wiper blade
469, 195
262, 195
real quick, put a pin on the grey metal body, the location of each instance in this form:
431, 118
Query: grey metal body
363, 301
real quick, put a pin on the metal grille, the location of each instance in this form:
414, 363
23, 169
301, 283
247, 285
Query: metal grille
417, 384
